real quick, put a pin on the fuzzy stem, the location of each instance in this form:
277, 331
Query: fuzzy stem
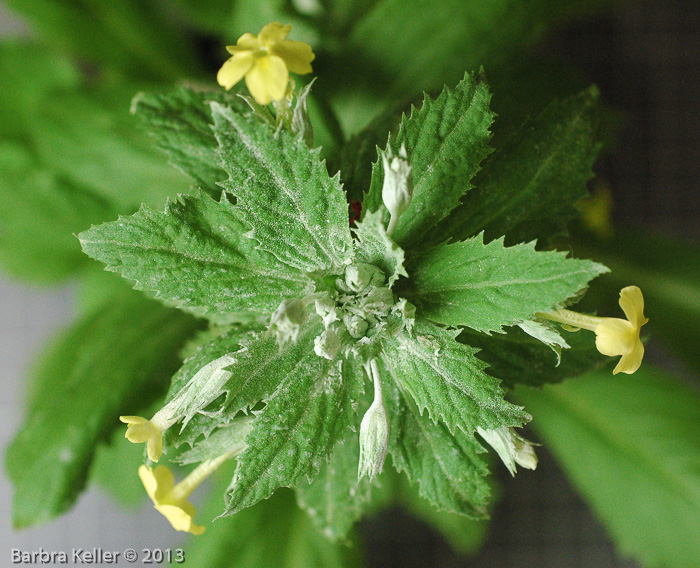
573, 319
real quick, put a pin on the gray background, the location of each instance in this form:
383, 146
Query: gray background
645, 59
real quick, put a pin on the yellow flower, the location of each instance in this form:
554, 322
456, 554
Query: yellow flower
265, 61
614, 336
150, 431
169, 499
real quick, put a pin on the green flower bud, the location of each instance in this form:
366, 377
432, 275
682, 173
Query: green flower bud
510, 447
327, 344
397, 191
356, 325
374, 432
360, 276
286, 321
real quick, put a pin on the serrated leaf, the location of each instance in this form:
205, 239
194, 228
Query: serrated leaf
230, 438
82, 386
527, 189
374, 246
335, 499
260, 368
448, 470
464, 535
181, 124
39, 213
310, 411
274, 533
488, 286
194, 255
630, 445
445, 378
445, 140
517, 358
298, 213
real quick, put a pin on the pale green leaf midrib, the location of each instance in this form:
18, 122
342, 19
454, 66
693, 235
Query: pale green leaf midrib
448, 379
499, 284
192, 257
288, 431
301, 210
441, 154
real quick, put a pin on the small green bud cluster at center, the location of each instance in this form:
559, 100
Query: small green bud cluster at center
356, 311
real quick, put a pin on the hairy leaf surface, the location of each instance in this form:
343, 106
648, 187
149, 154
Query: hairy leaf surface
445, 140
194, 255
488, 286
445, 378
527, 189
297, 212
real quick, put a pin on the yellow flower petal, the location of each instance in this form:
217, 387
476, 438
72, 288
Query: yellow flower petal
180, 519
141, 430
246, 41
158, 482
267, 80
234, 69
273, 33
632, 303
615, 336
296, 54
632, 361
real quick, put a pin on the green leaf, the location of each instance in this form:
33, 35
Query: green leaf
194, 255
297, 212
394, 40
355, 157
335, 500
466, 536
31, 73
89, 137
446, 140
39, 213
181, 124
514, 193
630, 444
83, 384
444, 377
488, 286
448, 470
133, 36
373, 246
310, 411
261, 367
514, 357
275, 530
